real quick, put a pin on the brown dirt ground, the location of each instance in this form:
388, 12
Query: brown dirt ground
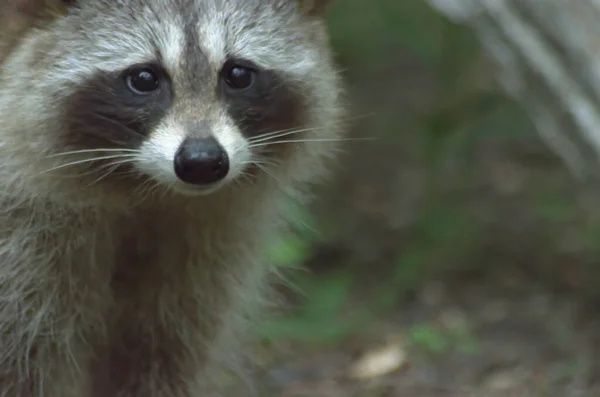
529, 342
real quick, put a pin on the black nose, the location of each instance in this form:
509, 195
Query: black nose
201, 161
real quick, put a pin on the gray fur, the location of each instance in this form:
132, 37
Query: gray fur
135, 286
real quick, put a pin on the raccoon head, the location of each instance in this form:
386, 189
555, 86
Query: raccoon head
189, 94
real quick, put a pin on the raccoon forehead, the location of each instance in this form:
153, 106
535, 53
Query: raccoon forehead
182, 33
272, 37
113, 44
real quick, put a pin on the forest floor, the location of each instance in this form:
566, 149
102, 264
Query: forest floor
479, 338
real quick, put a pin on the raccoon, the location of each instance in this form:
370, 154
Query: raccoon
149, 148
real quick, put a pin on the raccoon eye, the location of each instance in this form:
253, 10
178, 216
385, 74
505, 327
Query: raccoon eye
142, 81
240, 77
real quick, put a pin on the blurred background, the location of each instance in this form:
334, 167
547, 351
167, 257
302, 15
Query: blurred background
452, 255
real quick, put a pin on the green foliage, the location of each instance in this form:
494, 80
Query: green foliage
378, 26
320, 318
464, 341
289, 251
295, 248
553, 208
428, 338
435, 340
590, 236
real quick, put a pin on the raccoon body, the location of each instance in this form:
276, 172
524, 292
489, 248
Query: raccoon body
148, 151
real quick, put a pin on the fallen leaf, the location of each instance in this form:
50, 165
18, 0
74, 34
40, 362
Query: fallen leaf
379, 362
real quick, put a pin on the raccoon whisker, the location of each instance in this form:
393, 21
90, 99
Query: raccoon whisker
261, 162
120, 162
269, 173
261, 156
94, 151
265, 135
244, 177
310, 140
126, 172
270, 163
299, 129
265, 170
150, 188
86, 161
145, 190
120, 125
282, 134
93, 171
164, 192
113, 167
79, 175
103, 176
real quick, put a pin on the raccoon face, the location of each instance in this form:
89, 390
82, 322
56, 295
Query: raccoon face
191, 94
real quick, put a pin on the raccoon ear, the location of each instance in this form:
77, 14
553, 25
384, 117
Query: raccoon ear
314, 7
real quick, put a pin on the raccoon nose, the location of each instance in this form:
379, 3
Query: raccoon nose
201, 161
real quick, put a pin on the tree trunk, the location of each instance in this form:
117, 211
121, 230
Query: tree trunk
548, 53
